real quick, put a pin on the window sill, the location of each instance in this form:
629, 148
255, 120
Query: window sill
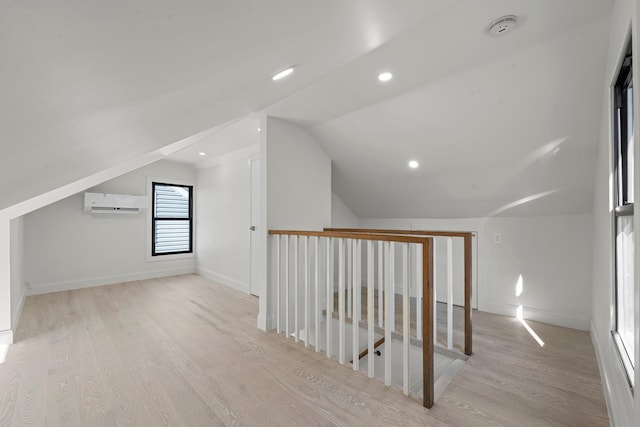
624, 358
172, 257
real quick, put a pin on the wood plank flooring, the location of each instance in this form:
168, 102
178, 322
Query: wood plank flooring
184, 351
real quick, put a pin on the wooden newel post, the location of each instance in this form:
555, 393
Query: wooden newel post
468, 337
427, 324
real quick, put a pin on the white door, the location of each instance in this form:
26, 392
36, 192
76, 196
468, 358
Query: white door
256, 280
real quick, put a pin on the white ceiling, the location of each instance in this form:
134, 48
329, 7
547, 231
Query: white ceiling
211, 145
89, 85
500, 126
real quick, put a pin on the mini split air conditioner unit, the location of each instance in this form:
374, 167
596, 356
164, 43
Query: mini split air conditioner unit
114, 203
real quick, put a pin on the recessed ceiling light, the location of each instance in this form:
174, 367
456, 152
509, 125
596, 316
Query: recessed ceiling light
282, 74
413, 164
202, 153
385, 77
259, 129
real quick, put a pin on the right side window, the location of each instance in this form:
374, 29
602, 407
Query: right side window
623, 145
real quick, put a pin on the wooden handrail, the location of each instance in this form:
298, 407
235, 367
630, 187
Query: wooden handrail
401, 232
468, 265
400, 238
364, 352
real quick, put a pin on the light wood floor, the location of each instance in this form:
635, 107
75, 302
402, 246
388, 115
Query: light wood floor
183, 351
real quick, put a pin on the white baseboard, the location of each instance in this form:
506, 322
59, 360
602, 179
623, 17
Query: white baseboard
224, 280
604, 375
6, 337
266, 323
616, 389
46, 288
538, 315
17, 311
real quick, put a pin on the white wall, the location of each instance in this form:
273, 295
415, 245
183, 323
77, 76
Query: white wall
67, 248
623, 406
550, 252
12, 288
223, 219
341, 215
18, 288
296, 191
298, 179
6, 334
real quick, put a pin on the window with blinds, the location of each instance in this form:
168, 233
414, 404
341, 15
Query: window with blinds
172, 219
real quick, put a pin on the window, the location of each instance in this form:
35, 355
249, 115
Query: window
172, 225
623, 146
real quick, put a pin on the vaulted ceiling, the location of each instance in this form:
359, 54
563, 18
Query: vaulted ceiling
87, 85
90, 85
500, 126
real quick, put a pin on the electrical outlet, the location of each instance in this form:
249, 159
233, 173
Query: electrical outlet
497, 238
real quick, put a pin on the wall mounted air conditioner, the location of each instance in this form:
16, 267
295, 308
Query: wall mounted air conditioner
114, 203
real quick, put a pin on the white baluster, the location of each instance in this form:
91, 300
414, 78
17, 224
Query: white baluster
349, 278
435, 287
296, 282
287, 307
329, 304
380, 283
449, 292
370, 307
278, 284
392, 289
317, 293
419, 292
410, 277
358, 279
405, 317
341, 303
354, 311
306, 291
387, 314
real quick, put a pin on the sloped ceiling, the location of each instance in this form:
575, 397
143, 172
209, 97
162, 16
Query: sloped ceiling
232, 138
500, 126
88, 85
503, 126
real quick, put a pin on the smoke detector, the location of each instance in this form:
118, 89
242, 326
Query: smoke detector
503, 26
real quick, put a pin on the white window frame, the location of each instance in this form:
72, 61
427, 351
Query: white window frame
625, 358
